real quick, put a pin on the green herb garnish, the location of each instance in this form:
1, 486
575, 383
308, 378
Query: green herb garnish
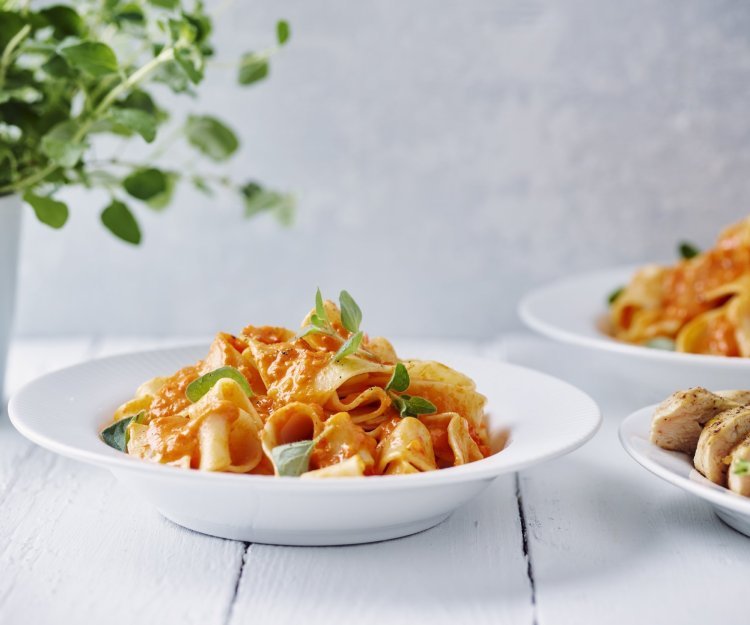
406, 405
198, 388
283, 32
349, 347
741, 467
661, 342
399, 379
72, 71
612, 297
351, 318
292, 459
687, 250
351, 315
116, 435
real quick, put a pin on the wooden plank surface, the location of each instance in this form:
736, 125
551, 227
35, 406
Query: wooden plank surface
26, 362
610, 542
469, 569
76, 546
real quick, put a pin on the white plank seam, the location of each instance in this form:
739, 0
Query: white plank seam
240, 571
526, 547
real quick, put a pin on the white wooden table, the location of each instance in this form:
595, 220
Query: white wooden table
589, 538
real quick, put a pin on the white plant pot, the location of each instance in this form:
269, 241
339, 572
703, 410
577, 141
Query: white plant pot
10, 233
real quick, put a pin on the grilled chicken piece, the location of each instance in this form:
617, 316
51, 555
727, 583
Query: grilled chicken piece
740, 397
679, 419
740, 482
719, 437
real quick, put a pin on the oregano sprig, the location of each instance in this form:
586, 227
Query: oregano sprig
351, 315
349, 347
741, 467
76, 70
351, 318
687, 250
406, 405
116, 435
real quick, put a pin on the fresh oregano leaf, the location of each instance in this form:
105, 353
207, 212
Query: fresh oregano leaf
399, 379
116, 435
257, 199
307, 330
212, 137
60, 147
190, 62
131, 13
57, 67
320, 309
172, 75
64, 20
293, 459
351, 315
283, 208
398, 404
687, 250
165, 4
612, 297
410, 406
283, 32
418, 405
162, 200
92, 57
145, 184
317, 321
661, 342
350, 346
49, 211
118, 219
139, 99
198, 388
135, 120
10, 24
253, 67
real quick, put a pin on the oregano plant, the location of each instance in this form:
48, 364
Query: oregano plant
70, 72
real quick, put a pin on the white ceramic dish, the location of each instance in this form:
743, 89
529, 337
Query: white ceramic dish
571, 310
64, 411
677, 468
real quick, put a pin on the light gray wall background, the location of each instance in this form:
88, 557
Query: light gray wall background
446, 156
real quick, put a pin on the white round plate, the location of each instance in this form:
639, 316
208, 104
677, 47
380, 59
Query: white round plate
677, 468
571, 311
64, 411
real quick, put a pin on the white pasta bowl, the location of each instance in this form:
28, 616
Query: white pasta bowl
64, 411
677, 468
571, 310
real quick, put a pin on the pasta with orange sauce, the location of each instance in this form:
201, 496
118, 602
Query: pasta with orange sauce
327, 401
700, 305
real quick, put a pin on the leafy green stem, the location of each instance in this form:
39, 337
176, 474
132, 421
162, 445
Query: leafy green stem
167, 54
7, 57
220, 180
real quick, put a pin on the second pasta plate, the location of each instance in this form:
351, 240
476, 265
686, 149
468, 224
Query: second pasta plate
64, 412
573, 310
